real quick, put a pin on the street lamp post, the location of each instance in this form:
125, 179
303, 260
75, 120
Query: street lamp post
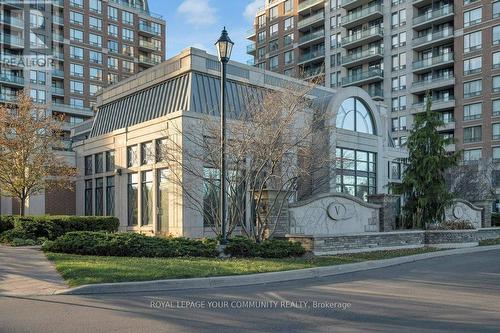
224, 47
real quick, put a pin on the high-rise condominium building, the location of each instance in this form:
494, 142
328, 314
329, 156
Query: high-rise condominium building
396, 50
64, 51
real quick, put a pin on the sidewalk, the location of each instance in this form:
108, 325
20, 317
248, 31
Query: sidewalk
26, 271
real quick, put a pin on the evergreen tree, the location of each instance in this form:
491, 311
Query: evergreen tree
424, 183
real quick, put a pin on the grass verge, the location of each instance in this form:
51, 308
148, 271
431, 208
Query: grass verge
78, 270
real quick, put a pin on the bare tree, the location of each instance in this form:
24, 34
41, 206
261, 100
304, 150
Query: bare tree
28, 163
472, 181
269, 150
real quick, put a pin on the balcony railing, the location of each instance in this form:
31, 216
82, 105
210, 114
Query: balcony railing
312, 36
363, 76
136, 6
13, 21
8, 98
251, 48
149, 29
436, 79
359, 14
312, 55
58, 37
11, 40
311, 19
147, 60
374, 31
148, 45
436, 103
309, 3
12, 78
363, 54
432, 15
58, 73
447, 57
57, 91
375, 92
432, 37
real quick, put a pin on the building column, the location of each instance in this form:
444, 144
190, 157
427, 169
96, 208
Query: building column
387, 211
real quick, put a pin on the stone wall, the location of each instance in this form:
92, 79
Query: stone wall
364, 242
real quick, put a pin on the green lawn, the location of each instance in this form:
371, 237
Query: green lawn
78, 270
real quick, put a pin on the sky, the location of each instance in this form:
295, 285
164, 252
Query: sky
198, 23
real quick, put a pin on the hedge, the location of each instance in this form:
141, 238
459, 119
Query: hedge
51, 227
239, 246
130, 245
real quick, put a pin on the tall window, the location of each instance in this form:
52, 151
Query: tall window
353, 115
88, 197
473, 65
496, 131
473, 88
211, 180
472, 17
496, 83
112, 13
127, 17
472, 111
76, 52
163, 199
161, 150
99, 188
273, 12
132, 197
496, 9
96, 6
88, 165
356, 172
147, 197
110, 196
496, 34
110, 160
132, 156
472, 134
472, 41
98, 163
147, 153
495, 107
76, 35
472, 155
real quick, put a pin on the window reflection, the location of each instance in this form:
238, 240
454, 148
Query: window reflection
353, 115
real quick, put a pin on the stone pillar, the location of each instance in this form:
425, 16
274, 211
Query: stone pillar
387, 212
486, 213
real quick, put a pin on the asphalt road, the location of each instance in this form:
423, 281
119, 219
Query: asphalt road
452, 294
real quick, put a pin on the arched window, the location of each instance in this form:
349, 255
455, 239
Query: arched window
354, 115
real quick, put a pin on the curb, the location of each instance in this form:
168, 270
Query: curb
259, 278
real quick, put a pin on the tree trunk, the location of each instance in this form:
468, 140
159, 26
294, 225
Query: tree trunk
22, 208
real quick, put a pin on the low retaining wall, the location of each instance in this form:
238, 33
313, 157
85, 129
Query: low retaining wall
364, 242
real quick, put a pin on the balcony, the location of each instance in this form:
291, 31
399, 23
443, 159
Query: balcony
437, 104
359, 17
57, 38
312, 21
145, 60
12, 21
71, 109
366, 77
58, 20
146, 29
144, 44
10, 79
433, 83
58, 73
16, 4
434, 39
317, 55
363, 56
363, 37
57, 91
376, 93
58, 3
251, 48
310, 38
10, 41
311, 4
8, 98
434, 62
250, 34
438, 16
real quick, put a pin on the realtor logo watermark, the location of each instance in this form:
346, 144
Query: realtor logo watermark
249, 304
28, 19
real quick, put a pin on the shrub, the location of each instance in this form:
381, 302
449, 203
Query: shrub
6, 223
452, 225
129, 245
276, 248
51, 227
245, 247
239, 246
